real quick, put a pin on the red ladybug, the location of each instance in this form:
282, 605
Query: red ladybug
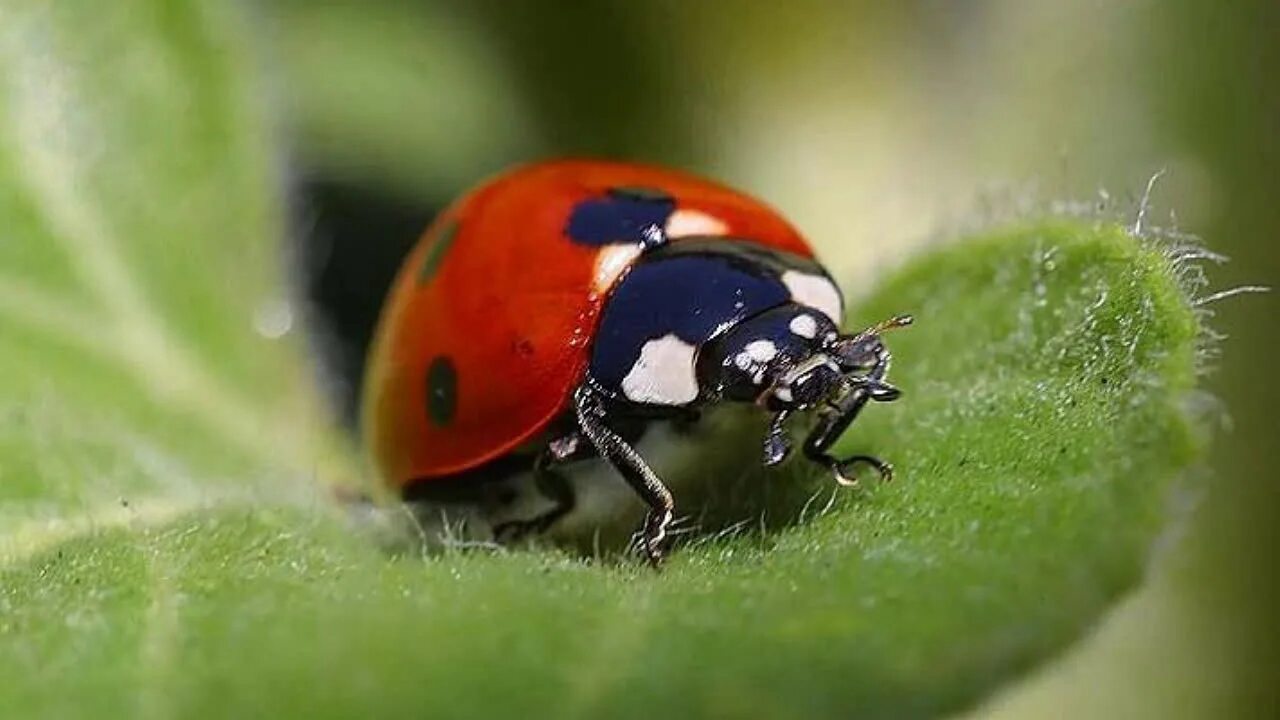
551, 313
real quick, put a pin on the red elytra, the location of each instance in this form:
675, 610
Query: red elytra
498, 301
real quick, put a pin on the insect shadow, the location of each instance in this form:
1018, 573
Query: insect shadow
722, 490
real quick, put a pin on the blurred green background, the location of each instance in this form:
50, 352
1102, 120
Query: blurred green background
876, 127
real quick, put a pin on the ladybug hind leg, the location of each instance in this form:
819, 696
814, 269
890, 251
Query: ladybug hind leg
653, 537
551, 484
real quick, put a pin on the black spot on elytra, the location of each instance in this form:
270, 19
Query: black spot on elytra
622, 215
442, 391
435, 253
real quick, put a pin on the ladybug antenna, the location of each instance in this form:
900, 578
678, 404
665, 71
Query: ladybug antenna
897, 321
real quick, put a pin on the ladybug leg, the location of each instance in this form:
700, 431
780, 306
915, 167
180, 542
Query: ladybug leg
832, 426
555, 486
776, 443
624, 458
552, 484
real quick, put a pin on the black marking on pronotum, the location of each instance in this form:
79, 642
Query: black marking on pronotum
440, 245
442, 391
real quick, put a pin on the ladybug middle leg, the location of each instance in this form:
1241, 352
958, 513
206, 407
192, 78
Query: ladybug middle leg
624, 458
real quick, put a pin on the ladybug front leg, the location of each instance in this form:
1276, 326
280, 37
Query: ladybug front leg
624, 458
833, 424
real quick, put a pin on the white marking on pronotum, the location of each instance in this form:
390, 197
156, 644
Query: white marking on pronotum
755, 353
761, 350
664, 374
815, 291
611, 262
804, 326
685, 223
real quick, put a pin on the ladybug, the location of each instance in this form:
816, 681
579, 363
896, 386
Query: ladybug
554, 312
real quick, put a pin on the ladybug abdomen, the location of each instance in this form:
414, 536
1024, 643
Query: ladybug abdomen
679, 296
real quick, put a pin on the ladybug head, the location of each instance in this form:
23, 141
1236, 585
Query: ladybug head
794, 359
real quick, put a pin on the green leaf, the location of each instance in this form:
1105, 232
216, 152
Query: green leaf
139, 227
161, 556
